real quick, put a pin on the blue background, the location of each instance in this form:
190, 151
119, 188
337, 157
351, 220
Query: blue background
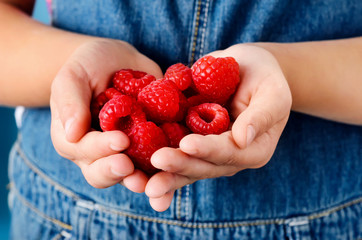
8, 134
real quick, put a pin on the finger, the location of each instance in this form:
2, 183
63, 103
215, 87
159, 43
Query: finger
221, 150
175, 161
266, 108
136, 182
107, 171
149, 66
161, 204
217, 149
162, 183
92, 146
71, 95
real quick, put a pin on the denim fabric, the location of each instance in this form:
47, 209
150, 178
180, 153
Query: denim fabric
311, 188
45, 209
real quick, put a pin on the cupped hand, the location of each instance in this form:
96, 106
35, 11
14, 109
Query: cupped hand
260, 107
85, 74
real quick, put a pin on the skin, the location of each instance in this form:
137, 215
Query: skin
317, 78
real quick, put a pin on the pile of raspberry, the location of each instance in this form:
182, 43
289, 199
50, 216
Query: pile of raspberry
157, 113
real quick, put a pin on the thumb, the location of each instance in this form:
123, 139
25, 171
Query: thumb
70, 98
263, 112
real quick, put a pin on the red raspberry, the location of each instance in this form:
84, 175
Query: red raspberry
146, 138
137, 116
111, 92
121, 113
196, 100
160, 100
208, 118
216, 78
131, 82
183, 108
179, 74
174, 133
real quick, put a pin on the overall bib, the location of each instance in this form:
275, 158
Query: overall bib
310, 189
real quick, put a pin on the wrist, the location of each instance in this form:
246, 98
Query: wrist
285, 56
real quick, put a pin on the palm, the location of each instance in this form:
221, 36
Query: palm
85, 74
261, 107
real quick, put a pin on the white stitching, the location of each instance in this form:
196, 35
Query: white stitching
187, 207
178, 203
334, 209
203, 30
195, 32
38, 212
41, 174
175, 222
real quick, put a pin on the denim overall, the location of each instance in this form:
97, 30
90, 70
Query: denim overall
310, 189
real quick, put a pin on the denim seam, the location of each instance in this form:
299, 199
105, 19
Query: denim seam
192, 224
38, 212
278, 221
104, 208
196, 30
187, 202
178, 203
334, 209
41, 174
203, 29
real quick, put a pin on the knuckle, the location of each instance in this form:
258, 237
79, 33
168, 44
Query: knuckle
91, 179
62, 151
266, 119
231, 160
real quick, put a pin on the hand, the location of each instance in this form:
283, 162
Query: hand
261, 107
85, 74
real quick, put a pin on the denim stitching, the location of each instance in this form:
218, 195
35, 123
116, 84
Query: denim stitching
38, 212
203, 30
41, 174
196, 30
178, 203
277, 221
187, 202
192, 224
103, 208
334, 209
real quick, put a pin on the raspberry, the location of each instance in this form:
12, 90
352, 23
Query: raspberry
208, 118
111, 92
174, 133
137, 116
183, 107
145, 138
180, 74
121, 113
196, 100
160, 100
216, 78
130, 82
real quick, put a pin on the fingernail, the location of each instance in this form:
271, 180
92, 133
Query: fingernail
118, 174
68, 125
188, 149
115, 148
250, 135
